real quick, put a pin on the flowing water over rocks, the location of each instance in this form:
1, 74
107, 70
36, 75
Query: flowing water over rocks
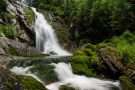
46, 40
63, 75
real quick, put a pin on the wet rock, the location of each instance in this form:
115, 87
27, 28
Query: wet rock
111, 59
1, 21
18, 9
2, 51
12, 21
17, 48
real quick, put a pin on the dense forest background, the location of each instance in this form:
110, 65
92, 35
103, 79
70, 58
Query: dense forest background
92, 20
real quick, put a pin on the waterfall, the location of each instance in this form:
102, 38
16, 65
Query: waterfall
66, 77
46, 40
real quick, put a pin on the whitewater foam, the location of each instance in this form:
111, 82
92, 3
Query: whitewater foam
66, 77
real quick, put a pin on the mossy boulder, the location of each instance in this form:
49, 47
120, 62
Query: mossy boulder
66, 87
111, 59
29, 83
85, 61
10, 81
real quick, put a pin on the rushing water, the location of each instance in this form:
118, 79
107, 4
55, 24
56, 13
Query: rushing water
46, 40
66, 77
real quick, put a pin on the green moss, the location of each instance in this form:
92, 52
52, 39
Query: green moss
90, 46
86, 61
6, 16
30, 83
127, 83
103, 45
66, 87
10, 82
30, 16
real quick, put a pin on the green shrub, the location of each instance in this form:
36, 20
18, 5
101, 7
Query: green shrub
9, 31
126, 46
30, 16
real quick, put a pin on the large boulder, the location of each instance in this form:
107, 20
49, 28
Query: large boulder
111, 59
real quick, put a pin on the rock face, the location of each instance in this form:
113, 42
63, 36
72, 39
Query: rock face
2, 51
111, 59
16, 47
19, 10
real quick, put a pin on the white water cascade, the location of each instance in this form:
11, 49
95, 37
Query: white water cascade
46, 40
26, 72
66, 77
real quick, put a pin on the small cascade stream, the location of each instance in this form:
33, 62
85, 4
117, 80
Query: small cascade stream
66, 77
